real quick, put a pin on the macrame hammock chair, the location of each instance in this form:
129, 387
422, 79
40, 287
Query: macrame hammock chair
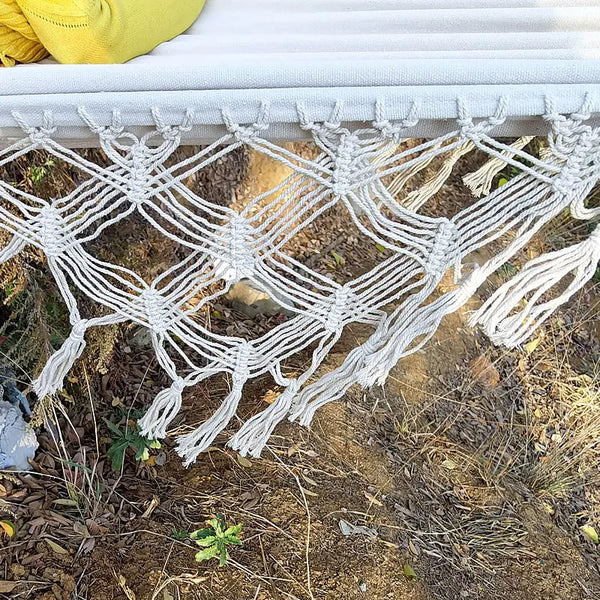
358, 78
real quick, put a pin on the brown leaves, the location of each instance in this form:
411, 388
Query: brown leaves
6, 587
58, 549
484, 372
243, 462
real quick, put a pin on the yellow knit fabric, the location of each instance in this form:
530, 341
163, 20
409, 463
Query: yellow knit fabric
18, 41
107, 31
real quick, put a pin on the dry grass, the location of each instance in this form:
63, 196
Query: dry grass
479, 482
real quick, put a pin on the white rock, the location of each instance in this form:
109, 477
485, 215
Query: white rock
247, 297
17, 439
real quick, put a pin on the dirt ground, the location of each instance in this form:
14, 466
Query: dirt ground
473, 470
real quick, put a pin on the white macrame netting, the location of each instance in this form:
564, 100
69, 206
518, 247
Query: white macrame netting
361, 170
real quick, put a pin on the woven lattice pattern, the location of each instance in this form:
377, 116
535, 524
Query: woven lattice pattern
363, 171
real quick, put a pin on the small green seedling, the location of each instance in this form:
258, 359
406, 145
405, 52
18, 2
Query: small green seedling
215, 540
339, 259
38, 173
179, 534
123, 440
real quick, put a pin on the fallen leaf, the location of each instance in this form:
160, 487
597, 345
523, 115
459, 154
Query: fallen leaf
485, 372
409, 572
244, 462
56, 548
309, 493
449, 464
270, 396
65, 502
309, 480
413, 548
8, 527
81, 529
93, 527
151, 506
167, 595
531, 346
88, 545
6, 587
372, 499
590, 533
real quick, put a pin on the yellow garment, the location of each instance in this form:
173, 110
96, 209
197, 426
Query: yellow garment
18, 41
107, 31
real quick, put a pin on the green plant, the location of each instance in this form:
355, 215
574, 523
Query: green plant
38, 173
130, 437
507, 175
215, 539
179, 534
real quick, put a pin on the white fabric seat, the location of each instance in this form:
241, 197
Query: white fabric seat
285, 52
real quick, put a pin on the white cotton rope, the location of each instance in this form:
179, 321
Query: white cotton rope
358, 79
535, 279
480, 182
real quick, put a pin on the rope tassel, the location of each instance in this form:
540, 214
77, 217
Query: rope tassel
480, 182
255, 433
191, 445
332, 386
165, 407
535, 279
60, 363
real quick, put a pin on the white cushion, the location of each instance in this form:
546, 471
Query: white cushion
242, 53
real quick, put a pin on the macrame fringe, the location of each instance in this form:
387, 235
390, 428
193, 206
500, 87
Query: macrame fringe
255, 433
537, 278
480, 181
191, 445
52, 377
353, 170
371, 363
163, 410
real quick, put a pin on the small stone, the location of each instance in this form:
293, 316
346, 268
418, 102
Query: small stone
249, 299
